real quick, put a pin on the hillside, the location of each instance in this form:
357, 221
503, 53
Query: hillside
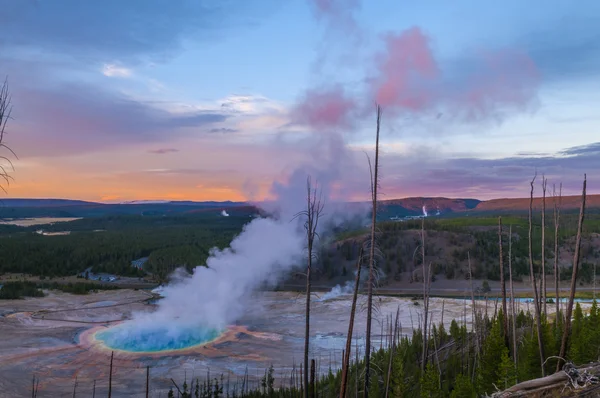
522, 204
389, 209
28, 208
433, 206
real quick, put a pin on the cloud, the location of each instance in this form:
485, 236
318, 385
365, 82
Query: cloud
122, 29
324, 108
112, 70
75, 118
162, 151
490, 83
425, 173
194, 120
408, 79
222, 130
406, 69
587, 150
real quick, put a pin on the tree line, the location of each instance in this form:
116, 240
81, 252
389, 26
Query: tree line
109, 244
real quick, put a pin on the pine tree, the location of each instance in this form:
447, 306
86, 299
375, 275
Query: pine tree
398, 382
488, 372
507, 372
577, 351
529, 357
430, 383
593, 333
463, 388
455, 330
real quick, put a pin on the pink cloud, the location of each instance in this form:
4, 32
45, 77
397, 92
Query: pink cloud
406, 65
162, 151
330, 108
484, 85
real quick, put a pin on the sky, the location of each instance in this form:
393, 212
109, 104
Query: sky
229, 100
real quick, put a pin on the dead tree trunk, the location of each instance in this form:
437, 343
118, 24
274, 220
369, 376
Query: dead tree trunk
374, 184
475, 322
425, 306
543, 284
5, 111
556, 226
110, 375
569, 311
392, 352
148, 381
502, 282
538, 318
312, 378
512, 297
314, 208
346, 359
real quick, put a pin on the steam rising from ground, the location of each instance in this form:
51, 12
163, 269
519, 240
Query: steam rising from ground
213, 297
338, 290
196, 306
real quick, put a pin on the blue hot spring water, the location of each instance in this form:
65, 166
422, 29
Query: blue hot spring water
130, 337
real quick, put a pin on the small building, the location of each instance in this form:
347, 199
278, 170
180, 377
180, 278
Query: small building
139, 263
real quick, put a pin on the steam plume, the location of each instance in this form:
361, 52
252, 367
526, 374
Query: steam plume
324, 108
213, 297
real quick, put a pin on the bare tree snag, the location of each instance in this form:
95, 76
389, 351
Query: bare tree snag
374, 184
512, 297
538, 319
576, 257
543, 283
346, 359
557, 209
392, 349
475, 317
5, 112
314, 209
502, 282
425, 309
110, 374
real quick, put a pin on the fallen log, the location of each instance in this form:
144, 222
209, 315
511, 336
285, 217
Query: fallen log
571, 378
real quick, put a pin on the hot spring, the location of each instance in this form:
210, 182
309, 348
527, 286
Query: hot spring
130, 337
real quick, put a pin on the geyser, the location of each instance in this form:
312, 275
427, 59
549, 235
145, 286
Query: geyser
127, 337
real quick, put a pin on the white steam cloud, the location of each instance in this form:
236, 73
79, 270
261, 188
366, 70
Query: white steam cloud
224, 213
214, 296
337, 291
424, 211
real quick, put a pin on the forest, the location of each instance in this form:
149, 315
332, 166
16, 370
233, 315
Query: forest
109, 244
13, 290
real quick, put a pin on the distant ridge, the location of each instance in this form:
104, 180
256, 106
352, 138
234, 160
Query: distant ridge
43, 202
25, 202
28, 208
389, 209
570, 202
